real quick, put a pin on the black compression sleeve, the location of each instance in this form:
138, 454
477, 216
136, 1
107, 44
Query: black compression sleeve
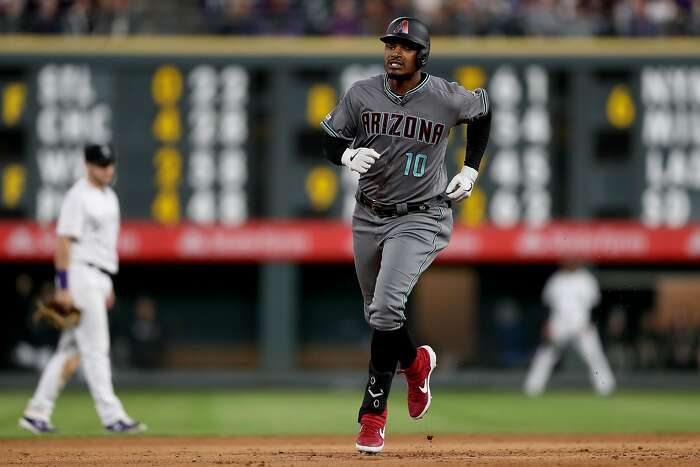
477, 139
333, 148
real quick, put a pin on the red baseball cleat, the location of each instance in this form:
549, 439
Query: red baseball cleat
371, 436
418, 379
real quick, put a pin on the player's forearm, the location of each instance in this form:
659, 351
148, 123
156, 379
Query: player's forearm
62, 254
477, 138
333, 148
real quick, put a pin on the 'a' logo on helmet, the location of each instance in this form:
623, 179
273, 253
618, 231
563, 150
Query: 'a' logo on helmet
402, 27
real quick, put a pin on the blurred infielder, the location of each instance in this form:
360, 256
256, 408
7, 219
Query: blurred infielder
570, 293
393, 129
85, 259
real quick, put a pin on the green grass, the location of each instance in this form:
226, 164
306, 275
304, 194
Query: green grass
277, 412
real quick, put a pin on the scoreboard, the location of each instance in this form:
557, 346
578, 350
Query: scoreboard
224, 132
181, 134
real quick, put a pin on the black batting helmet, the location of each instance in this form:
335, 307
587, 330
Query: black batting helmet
411, 30
100, 154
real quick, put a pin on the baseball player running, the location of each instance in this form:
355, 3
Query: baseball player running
570, 293
85, 259
392, 129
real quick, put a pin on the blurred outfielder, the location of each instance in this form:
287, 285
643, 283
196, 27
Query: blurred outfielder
570, 293
85, 259
393, 130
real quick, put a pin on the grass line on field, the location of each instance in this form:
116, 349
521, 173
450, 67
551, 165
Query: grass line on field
282, 412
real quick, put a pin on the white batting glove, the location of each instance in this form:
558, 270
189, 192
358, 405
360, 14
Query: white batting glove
462, 184
360, 159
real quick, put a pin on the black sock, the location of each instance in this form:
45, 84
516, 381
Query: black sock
383, 352
405, 347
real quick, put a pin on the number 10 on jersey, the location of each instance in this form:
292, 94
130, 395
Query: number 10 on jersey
418, 163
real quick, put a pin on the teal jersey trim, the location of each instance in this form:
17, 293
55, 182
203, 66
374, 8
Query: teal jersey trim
332, 132
400, 99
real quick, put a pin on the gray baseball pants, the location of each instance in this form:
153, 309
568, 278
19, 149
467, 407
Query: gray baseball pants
390, 255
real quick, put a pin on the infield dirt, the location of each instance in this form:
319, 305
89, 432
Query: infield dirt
502, 450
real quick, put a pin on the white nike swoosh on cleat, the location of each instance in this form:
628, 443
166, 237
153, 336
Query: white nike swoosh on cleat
381, 432
424, 388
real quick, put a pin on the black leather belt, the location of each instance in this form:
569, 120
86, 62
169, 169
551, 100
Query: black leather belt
399, 209
102, 270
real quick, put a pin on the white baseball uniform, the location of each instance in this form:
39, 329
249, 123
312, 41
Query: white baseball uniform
570, 296
90, 216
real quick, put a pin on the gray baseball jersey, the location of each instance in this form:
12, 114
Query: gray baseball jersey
410, 132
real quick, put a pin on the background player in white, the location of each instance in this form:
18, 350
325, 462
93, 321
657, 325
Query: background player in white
570, 293
85, 259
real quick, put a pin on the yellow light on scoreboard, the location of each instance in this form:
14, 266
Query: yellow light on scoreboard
13, 178
321, 187
13, 101
166, 86
166, 126
168, 162
166, 207
620, 108
471, 77
319, 101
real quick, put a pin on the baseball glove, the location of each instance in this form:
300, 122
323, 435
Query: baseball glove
56, 315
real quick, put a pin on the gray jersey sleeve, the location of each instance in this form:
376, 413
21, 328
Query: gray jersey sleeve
341, 122
472, 104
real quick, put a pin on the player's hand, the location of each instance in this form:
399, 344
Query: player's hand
360, 159
63, 298
462, 184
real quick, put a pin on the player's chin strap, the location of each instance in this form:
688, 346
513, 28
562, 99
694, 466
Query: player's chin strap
376, 392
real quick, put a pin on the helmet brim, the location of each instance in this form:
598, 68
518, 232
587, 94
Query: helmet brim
399, 36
